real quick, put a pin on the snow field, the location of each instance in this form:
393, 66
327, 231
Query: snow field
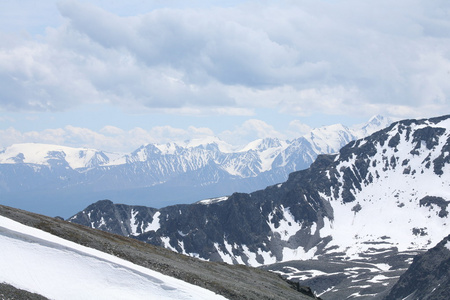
390, 205
39, 262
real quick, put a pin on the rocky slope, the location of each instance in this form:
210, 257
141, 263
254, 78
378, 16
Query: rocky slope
344, 207
233, 282
428, 277
345, 203
8, 292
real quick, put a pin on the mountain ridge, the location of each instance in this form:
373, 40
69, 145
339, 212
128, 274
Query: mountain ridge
343, 207
149, 174
338, 193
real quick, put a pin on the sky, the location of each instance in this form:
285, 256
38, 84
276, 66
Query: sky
114, 75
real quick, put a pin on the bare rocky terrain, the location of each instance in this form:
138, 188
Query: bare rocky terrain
231, 281
8, 292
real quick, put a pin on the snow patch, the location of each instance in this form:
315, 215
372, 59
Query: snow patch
212, 200
298, 253
154, 225
447, 245
133, 222
378, 279
59, 269
225, 256
287, 226
251, 257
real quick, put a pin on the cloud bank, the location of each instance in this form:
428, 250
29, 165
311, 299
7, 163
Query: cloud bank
114, 139
298, 58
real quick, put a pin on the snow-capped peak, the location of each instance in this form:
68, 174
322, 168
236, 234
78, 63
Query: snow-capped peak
375, 123
204, 162
329, 139
263, 144
42, 154
168, 148
212, 140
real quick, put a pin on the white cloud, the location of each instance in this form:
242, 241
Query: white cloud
109, 138
297, 129
248, 131
112, 131
303, 57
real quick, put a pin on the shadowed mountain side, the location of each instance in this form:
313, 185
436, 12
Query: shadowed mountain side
428, 277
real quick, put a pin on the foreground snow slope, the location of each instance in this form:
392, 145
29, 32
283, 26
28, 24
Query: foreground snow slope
42, 263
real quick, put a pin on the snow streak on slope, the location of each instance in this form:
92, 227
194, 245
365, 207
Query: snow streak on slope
39, 262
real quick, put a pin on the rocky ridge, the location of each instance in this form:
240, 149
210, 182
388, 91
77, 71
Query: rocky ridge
428, 277
395, 177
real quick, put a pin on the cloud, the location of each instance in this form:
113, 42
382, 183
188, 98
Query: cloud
297, 129
109, 138
248, 131
300, 58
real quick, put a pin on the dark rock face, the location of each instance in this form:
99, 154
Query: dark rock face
429, 201
428, 277
241, 221
8, 292
109, 217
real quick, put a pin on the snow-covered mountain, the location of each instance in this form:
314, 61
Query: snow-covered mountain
160, 175
385, 193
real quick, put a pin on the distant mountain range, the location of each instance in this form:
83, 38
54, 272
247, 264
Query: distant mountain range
368, 208
61, 180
